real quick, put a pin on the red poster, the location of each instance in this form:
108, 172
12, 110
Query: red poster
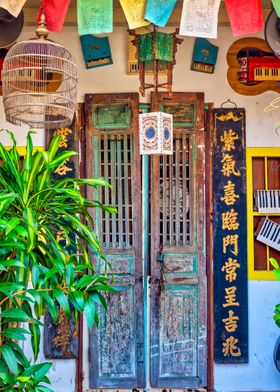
245, 16
55, 12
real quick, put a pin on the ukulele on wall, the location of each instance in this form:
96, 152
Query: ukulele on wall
253, 67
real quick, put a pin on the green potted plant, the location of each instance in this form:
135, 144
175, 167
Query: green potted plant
38, 272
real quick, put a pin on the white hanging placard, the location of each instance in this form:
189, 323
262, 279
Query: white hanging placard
156, 133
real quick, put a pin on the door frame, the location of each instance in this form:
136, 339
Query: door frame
208, 125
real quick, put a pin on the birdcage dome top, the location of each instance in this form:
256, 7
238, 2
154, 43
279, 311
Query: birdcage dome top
39, 83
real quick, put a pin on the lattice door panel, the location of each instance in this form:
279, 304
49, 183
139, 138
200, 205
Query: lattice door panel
175, 195
178, 266
116, 347
116, 156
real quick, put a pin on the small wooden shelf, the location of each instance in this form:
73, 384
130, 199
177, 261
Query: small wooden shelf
267, 214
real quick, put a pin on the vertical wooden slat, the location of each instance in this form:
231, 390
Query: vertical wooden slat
120, 189
209, 249
113, 183
177, 189
126, 198
184, 188
106, 175
96, 144
266, 187
164, 204
171, 208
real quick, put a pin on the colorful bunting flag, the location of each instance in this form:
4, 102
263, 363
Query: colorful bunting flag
12, 6
200, 18
95, 17
55, 13
134, 13
276, 5
245, 16
159, 11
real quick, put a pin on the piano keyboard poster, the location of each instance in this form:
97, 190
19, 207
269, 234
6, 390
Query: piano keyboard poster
230, 237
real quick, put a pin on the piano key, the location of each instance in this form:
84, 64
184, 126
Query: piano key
267, 201
271, 234
275, 235
261, 201
265, 228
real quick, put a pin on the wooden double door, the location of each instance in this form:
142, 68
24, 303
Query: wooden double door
154, 330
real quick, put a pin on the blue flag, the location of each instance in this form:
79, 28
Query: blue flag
159, 11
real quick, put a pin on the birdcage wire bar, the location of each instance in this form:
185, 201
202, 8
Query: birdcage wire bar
39, 82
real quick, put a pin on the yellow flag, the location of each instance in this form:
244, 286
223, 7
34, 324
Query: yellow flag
134, 12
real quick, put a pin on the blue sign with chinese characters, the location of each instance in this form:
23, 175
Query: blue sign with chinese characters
61, 337
96, 51
204, 56
230, 237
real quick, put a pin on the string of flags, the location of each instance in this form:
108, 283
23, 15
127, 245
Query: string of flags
199, 18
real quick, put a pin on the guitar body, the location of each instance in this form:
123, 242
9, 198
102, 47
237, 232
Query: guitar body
244, 45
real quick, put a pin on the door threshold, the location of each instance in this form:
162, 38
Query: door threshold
150, 390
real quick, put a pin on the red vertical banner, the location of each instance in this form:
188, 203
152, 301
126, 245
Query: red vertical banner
55, 12
245, 16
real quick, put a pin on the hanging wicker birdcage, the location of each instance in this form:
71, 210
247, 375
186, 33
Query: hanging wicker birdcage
39, 82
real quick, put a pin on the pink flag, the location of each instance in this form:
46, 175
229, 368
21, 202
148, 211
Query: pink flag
55, 12
245, 16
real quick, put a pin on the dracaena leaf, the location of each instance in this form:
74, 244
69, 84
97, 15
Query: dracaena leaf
15, 314
62, 300
90, 310
9, 357
35, 339
15, 333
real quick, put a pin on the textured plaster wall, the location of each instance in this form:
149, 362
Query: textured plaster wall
259, 374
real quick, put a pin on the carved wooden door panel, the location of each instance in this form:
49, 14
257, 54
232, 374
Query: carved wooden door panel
178, 268
112, 152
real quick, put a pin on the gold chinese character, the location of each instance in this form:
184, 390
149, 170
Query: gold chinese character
229, 166
231, 240
64, 132
230, 297
60, 236
228, 139
229, 194
230, 268
229, 220
231, 322
62, 169
230, 347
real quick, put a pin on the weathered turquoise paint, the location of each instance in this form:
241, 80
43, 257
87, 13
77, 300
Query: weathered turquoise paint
115, 116
183, 115
145, 245
178, 281
116, 347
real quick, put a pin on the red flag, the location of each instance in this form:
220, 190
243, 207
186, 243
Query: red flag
55, 12
245, 16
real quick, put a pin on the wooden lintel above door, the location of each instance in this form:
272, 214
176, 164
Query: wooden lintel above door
31, 8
